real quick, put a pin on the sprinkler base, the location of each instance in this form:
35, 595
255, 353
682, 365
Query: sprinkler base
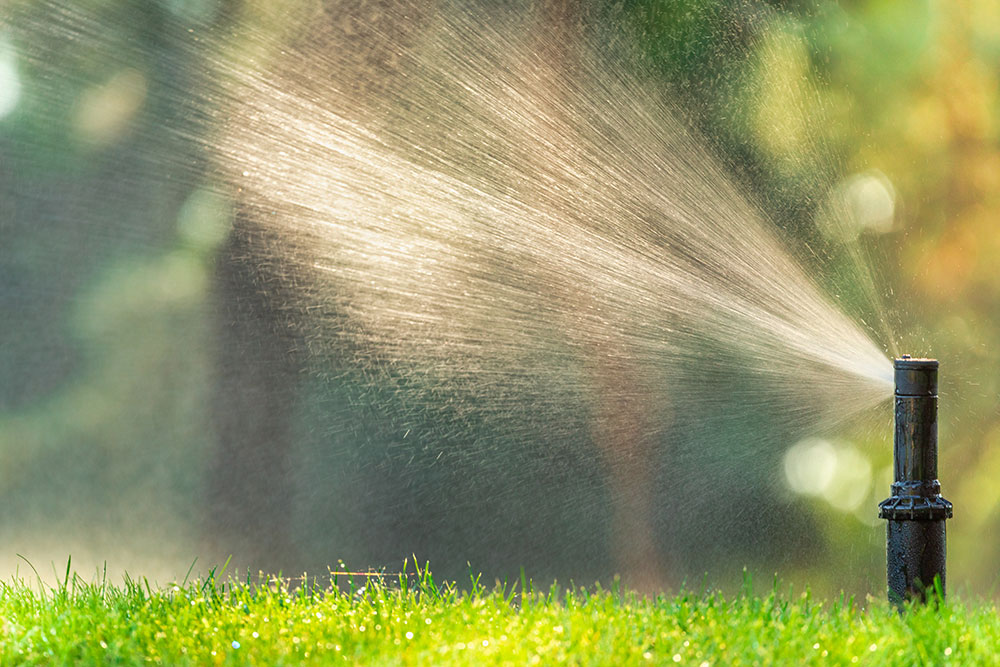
916, 560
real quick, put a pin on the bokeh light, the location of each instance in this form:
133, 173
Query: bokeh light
10, 82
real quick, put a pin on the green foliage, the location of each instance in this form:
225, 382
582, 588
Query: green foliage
408, 618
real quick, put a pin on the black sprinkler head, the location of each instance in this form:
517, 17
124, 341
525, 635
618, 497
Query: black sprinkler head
916, 511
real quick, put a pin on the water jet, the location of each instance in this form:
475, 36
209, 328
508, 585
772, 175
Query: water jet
916, 511
482, 285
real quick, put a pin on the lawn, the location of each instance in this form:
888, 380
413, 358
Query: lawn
411, 619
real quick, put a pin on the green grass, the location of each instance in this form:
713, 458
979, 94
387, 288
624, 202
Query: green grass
412, 619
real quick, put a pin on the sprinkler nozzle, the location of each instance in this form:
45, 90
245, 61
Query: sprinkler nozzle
915, 551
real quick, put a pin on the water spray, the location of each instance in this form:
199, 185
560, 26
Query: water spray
916, 511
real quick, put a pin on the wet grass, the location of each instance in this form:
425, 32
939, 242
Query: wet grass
412, 619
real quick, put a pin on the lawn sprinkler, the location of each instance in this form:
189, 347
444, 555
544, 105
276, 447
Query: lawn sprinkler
915, 551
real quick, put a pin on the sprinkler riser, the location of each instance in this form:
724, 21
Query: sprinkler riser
916, 512
914, 456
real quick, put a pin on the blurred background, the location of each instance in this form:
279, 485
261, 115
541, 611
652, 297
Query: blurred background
112, 290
